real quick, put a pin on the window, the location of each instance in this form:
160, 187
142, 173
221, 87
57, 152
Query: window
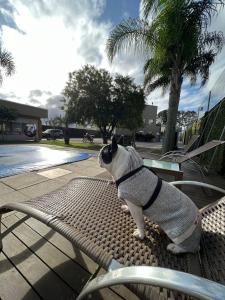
16, 128
13, 128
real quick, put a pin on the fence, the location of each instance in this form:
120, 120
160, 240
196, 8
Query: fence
211, 127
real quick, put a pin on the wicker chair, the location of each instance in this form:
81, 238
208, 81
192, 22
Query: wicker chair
88, 213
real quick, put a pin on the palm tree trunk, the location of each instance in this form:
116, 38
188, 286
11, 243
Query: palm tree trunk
66, 134
174, 98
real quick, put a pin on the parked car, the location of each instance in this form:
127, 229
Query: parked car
52, 134
140, 136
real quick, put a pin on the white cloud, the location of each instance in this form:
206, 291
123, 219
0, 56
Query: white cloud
156, 98
59, 37
54, 105
62, 36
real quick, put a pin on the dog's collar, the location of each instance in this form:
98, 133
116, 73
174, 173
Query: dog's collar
154, 194
128, 175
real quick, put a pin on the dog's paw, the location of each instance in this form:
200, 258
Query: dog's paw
139, 234
110, 182
125, 208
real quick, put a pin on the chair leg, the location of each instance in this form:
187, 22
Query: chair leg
1, 246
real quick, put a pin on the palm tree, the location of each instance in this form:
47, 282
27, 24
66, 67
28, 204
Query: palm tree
177, 45
6, 63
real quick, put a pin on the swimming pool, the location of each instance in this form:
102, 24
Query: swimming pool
15, 159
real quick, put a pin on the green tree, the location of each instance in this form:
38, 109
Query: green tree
162, 115
61, 122
134, 105
6, 115
93, 96
7, 65
184, 118
53, 122
177, 43
57, 121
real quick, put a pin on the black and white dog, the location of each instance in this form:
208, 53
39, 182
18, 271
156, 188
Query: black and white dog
144, 193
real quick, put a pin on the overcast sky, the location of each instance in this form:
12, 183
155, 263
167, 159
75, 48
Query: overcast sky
50, 38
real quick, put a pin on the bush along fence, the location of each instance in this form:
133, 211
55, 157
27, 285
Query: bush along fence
194, 128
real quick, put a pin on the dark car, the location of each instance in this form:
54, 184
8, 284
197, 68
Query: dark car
52, 134
140, 136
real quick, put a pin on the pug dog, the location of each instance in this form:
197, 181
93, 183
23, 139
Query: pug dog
146, 194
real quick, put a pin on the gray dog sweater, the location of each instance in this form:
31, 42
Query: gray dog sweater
172, 210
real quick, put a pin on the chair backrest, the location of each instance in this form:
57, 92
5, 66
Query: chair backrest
191, 142
206, 147
213, 241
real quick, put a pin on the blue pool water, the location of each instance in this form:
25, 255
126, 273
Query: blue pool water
15, 159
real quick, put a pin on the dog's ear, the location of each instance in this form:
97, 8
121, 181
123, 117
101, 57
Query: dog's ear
114, 145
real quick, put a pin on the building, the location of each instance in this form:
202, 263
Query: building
26, 126
149, 122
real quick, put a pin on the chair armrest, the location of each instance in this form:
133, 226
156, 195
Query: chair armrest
171, 155
181, 151
197, 183
175, 280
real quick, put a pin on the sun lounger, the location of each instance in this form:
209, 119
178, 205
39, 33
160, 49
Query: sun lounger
171, 164
88, 213
180, 157
185, 149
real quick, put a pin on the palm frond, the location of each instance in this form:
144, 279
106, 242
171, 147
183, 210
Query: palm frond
213, 40
129, 34
204, 10
200, 66
6, 62
148, 6
153, 68
153, 6
161, 82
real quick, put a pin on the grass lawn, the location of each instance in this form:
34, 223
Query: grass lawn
72, 145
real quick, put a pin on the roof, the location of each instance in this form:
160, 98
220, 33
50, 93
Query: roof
26, 110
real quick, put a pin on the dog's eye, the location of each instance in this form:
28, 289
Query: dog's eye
107, 154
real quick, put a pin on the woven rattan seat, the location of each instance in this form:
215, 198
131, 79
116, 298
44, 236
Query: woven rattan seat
88, 213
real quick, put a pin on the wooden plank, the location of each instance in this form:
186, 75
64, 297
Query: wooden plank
68, 270
47, 284
64, 267
64, 245
12, 284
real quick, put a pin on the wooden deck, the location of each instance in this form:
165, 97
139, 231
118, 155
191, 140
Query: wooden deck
38, 263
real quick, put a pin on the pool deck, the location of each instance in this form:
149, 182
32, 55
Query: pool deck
36, 262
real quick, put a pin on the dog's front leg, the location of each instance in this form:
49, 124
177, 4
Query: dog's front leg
112, 181
137, 214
